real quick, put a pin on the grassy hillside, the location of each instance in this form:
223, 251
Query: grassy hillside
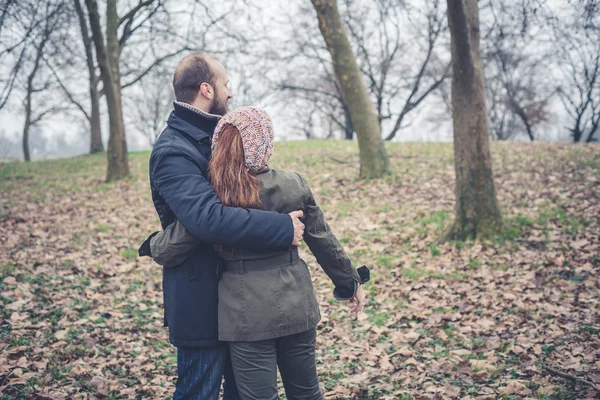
82, 315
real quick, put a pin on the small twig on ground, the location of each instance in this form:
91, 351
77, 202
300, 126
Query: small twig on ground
6, 378
338, 161
571, 376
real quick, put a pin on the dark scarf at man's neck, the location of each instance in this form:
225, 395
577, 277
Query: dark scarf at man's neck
200, 119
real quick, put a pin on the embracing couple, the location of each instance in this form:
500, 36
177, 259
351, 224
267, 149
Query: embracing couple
239, 302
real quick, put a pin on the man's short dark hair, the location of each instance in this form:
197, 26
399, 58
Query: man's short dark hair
192, 71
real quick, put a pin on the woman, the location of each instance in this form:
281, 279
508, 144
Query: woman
268, 310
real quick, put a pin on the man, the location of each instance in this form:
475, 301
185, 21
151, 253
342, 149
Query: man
180, 190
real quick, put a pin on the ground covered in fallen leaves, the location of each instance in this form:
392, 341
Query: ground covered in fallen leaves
81, 316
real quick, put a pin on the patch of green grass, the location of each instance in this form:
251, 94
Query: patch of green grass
478, 341
18, 392
413, 273
473, 263
509, 233
19, 341
457, 276
385, 261
6, 270
450, 330
568, 223
129, 253
345, 208
434, 250
548, 348
593, 163
435, 223
505, 346
502, 266
379, 318
590, 330
102, 228
522, 221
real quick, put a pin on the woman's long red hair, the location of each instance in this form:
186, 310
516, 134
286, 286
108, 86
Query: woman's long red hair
229, 177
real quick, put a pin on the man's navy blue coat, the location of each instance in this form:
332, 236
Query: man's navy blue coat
180, 190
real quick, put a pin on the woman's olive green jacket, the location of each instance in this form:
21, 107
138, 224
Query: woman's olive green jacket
269, 294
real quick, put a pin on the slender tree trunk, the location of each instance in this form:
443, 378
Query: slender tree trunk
530, 132
108, 61
477, 211
96, 144
373, 157
577, 131
27, 125
521, 114
29, 95
118, 156
349, 128
593, 129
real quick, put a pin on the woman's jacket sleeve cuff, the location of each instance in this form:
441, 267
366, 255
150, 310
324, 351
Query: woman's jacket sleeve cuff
359, 276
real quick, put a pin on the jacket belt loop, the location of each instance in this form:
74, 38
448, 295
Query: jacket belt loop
291, 256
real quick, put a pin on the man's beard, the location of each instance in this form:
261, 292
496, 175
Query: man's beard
218, 106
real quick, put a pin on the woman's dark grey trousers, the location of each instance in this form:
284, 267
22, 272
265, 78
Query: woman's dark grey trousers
255, 367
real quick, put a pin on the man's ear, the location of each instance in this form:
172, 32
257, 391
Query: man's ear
207, 91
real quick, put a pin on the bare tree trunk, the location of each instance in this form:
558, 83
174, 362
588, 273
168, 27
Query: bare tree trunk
520, 112
373, 158
27, 125
594, 128
108, 61
348, 127
477, 211
96, 144
30, 91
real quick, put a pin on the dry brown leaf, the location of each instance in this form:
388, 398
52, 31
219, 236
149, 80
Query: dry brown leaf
515, 387
61, 334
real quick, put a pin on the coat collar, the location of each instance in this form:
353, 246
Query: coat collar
263, 171
196, 123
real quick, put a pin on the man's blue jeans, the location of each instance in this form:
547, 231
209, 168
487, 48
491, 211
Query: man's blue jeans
200, 371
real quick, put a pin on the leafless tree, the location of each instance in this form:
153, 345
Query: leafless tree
514, 61
383, 34
150, 107
373, 156
578, 37
147, 16
477, 211
16, 35
51, 21
93, 116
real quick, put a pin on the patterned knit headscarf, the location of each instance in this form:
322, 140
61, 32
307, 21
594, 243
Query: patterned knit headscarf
256, 130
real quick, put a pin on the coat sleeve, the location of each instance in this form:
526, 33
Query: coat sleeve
327, 249
173, 245
181, 183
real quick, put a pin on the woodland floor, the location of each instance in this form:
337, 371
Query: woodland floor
81, 316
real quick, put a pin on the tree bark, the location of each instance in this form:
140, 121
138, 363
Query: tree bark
517, 109
26, 127
477, 211
108, 61
30, 90
348, 127
373, 157
96, 144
